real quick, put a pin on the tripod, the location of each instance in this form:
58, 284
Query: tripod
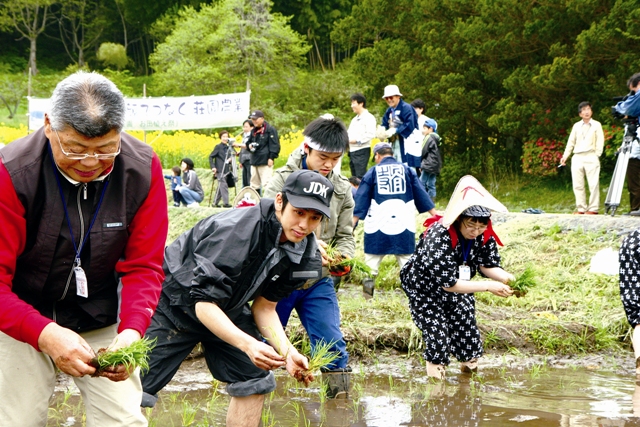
612, 202
229, 166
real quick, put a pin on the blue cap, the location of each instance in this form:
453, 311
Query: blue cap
431, 123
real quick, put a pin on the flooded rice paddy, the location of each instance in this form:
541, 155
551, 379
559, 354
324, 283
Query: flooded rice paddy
508, 390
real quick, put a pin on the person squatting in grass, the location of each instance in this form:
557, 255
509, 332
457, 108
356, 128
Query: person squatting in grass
84, 225
190, 190
257, 254
175, 181
325, 140
437, 278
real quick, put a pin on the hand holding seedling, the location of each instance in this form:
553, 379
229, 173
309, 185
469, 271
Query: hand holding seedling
499, 289
298, 367
123, 339
323, 252
68, 350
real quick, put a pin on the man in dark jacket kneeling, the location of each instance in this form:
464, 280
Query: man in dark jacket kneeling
260, 254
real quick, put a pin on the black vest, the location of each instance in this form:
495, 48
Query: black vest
44, 272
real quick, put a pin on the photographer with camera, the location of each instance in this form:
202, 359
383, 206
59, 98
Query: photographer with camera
629, 110
221, 162
630, 104
264, 146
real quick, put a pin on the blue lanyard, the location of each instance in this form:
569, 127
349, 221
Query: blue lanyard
466, 250
66, 212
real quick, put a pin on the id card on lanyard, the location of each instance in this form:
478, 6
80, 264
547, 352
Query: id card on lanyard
464, 271
82, 286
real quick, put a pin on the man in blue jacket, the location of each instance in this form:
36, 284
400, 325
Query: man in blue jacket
400, 121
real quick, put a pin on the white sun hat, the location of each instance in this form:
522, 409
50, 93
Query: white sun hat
391, 90
469, 192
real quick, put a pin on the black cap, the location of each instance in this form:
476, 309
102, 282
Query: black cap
256, 114
477, 211
306, 189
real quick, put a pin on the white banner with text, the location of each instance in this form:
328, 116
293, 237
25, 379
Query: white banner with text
170, 113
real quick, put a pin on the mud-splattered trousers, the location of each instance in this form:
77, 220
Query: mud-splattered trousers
447, 319
629, 257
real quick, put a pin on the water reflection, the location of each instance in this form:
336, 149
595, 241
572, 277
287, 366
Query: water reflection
533, 397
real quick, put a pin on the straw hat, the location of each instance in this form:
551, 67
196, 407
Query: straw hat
469, 192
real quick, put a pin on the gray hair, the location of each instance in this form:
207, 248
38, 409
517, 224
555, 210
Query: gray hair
89, 103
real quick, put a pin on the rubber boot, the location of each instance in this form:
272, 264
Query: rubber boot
337, 280
368, 286
148, 400
337, 382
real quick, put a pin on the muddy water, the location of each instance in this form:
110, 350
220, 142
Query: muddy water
508, 391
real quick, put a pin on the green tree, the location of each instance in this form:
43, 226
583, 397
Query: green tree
29, 18
222, 46
495, 73
81, 23
13, 87
113, 54
315, 20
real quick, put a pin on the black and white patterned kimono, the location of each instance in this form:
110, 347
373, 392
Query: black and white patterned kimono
629, 257
447, 319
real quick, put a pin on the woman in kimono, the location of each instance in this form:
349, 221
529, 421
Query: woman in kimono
437, 277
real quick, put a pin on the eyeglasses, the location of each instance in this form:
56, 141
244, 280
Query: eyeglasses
83, 156
480, 228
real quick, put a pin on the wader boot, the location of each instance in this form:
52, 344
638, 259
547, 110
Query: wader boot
368, 286
337, 382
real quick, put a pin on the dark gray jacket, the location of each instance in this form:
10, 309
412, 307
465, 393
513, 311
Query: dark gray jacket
431, 160
263, 145
234, 257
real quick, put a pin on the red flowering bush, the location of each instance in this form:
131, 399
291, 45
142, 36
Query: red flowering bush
613, 135
612, 139
542, 156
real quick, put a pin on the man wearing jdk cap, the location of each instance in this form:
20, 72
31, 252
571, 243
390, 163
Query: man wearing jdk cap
264, 145
260, 254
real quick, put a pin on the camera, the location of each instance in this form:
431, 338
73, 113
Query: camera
618, 115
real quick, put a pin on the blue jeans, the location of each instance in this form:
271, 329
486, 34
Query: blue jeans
319, 313
429, 181
189, 195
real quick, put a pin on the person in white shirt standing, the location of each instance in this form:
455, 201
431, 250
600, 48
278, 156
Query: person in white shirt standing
362, 130
586, 142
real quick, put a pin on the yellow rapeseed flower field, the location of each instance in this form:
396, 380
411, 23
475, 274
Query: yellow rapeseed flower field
172, 148
8, 134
